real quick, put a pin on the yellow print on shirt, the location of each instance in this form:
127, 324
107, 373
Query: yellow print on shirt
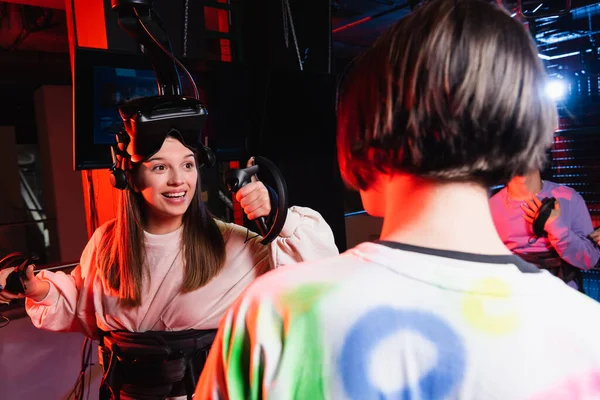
490, 307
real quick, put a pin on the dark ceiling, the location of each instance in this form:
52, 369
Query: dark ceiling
569, 47
356, 24
34, 43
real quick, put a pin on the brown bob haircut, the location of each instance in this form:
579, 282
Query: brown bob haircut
455, 91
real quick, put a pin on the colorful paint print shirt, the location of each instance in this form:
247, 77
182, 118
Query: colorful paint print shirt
392, 321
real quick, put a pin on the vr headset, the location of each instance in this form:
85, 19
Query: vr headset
148, 121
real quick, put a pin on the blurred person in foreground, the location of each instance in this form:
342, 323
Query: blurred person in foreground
446, 103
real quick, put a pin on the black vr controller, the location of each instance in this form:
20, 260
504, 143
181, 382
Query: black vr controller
238, 178
15, 282
542, 216
149, 120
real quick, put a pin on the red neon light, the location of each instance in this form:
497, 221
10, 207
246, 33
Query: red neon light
217, 19
351, 24
223, 17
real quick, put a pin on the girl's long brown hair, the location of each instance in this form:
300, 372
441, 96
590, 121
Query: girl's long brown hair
121, 255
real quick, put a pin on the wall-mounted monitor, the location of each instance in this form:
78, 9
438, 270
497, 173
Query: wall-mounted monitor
105, 79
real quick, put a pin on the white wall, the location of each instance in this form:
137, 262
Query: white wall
62, 187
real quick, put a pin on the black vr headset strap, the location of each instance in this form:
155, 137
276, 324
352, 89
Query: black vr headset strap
132, 14
118, 177
206, 157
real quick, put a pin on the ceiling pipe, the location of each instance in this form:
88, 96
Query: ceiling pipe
54, 4
370, 17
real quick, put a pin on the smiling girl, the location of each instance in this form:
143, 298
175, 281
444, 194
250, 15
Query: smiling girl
165, 266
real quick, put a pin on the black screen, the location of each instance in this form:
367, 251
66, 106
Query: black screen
105, 79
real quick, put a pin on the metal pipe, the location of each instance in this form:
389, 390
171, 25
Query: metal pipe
55, 4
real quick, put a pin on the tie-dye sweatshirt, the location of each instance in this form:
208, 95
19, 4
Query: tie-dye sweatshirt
393, 321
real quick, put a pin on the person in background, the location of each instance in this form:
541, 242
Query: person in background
566, 246
445, 104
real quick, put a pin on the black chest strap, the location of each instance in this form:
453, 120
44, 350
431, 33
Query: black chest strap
153, 365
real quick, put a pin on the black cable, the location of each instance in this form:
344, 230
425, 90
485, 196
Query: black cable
92, 202
78, 391
89, 379
22, 36
37, 27
249, 238
6, 321
85, 365
168, 53
74, 22
82, 373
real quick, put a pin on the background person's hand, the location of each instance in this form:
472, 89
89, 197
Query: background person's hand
531, 209
595, 236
